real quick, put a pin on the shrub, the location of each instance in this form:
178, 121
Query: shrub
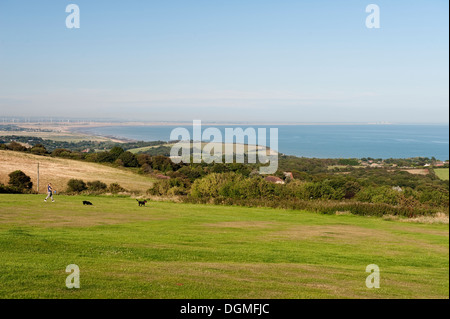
61, 152
382, 195
172, 187
20, 181
39, 149
14, 146
116, 188
146, 168
214, 185
160, 188
97, 186
76, 186
8, 190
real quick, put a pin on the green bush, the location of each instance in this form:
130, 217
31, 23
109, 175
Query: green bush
96, 186
76, 186
61, 152
115, 188
383, 195
20, 181
39, 149
8, 190
169, 187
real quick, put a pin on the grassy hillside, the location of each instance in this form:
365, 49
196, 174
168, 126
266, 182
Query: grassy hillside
171, 250
58, 171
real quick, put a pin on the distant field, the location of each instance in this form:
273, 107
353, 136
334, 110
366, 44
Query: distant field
169, 250
417, 171
442, 173
248, 149
146, 148
57, 136
58, 171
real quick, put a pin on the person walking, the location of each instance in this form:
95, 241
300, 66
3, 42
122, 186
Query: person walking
49, 192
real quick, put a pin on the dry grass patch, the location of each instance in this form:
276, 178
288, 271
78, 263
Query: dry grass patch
356, 234
438, 218
330, 232
59, 171
63, 218
344, 213
242, 224
420, 171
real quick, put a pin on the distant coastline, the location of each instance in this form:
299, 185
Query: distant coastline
321, 140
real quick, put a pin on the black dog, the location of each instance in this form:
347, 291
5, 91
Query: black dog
85, 202
141, 202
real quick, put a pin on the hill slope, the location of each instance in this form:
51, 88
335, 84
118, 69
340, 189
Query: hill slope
58, 171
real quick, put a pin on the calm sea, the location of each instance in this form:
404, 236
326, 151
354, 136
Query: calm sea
326, 141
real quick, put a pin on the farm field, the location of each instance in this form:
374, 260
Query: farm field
248, 149
171, 250
62, 136
59, 171
442, 173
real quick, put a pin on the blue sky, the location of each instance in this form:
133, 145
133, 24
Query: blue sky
233, 60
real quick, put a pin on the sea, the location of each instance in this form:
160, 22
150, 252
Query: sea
321, 141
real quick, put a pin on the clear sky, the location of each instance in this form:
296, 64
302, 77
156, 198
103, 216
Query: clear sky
226, 60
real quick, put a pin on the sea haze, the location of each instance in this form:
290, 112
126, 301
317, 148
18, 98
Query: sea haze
325, 141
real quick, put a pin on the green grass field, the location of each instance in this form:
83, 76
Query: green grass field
169, 250
442, 173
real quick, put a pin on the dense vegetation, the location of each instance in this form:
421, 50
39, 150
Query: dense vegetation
50, 145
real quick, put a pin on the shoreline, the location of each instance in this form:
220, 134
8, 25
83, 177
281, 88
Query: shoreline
112, 138
82, 131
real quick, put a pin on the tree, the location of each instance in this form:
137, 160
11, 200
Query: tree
128, 159
104, 157
20, 180
116, 151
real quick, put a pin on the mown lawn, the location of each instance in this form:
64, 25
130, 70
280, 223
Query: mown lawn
169, 250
